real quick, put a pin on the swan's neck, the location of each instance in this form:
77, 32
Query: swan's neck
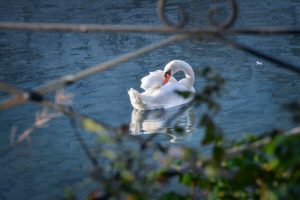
189, 79
180, 65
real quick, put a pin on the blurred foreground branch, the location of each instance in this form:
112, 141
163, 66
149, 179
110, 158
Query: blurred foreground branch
44, 117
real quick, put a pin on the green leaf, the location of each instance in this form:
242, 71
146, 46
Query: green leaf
209, 125
109, 154
271, 165
270, 148
218, 153
209, 135
210, 171
173, 196
266, 194
69, 194
127, 176
179, 129
186, 178
91, 125
206, 71
184, 94
214, 194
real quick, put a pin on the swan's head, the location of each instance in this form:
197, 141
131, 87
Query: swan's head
167, 76
177, 65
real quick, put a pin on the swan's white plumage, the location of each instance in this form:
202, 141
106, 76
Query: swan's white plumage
157, 95
153, 80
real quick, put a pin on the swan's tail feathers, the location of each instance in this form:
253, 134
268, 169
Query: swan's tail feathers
136, 100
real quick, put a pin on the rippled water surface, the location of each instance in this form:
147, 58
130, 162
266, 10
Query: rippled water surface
252, 100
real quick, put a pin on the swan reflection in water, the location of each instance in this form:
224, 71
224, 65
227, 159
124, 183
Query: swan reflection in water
177, 122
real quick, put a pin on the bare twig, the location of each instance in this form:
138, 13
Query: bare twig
61, 97
66, 110
83, 144
44, 117
41, 119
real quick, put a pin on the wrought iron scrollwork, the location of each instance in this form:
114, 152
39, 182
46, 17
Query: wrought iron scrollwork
212, 12
229, 21
161, 12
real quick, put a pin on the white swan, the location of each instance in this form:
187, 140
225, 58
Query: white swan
161, 88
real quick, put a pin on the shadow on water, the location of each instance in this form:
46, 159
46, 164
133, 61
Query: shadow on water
179, 122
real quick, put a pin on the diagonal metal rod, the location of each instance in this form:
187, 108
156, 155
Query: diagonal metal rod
84, 28
279, 63
53, 85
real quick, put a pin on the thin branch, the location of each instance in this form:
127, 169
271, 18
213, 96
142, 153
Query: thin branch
259, 143
66, 110
68, 79
83, 144
42, 119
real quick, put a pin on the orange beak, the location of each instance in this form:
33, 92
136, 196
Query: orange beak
167, 77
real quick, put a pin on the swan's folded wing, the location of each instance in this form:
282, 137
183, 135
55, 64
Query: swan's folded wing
153, 80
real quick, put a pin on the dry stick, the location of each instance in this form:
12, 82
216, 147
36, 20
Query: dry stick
83, 28
68, 79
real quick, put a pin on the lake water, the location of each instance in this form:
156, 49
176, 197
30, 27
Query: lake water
252, 100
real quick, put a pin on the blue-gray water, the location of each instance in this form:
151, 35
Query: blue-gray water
251, 101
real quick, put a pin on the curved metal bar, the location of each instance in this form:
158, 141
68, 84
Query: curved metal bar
71, 78
230, 19
161, 12
278, 62
64, 27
